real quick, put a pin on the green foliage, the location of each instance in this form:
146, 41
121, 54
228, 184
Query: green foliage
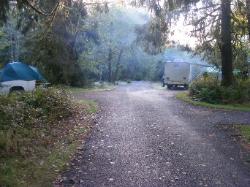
51, 55
29, 136
4, 4
55, 48
43, 106
209, 89
205, 89
4, 47
52, 43
29, 116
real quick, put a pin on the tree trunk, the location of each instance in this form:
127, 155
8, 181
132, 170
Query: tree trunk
118, 65
110, 66
248, 17
226, 45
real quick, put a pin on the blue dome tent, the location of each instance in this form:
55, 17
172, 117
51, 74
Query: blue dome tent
38, 74
19, 71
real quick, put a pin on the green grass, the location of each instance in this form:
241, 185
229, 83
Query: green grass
95, 88
240, 107
90, 105
245, 132
48, 154
36, 172
42, 166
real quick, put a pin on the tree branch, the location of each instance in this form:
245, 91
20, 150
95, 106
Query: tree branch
33, 7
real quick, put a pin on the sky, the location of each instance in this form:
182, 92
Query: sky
182, 33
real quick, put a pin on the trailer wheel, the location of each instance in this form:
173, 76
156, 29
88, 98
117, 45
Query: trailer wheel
16, 89
169, 86
186, 87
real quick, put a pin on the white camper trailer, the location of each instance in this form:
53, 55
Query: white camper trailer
176, 74
183, 73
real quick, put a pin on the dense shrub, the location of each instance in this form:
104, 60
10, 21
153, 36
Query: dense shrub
32, 108
208, 89
25, 114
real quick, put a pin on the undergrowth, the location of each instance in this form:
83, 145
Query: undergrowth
209, 89
34, 146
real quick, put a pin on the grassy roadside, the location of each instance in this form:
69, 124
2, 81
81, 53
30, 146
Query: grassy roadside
184, 97
244, 131
94, 88
240, 133
36, 155
90, 106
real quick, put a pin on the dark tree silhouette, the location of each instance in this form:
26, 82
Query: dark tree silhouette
226, 45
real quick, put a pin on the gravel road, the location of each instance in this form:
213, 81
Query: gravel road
146, 138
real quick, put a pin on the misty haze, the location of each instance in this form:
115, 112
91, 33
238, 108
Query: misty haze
124, 93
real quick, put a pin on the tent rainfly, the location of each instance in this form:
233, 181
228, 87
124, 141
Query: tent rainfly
19, 71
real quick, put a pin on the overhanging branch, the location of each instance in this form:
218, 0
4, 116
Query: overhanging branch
37, 10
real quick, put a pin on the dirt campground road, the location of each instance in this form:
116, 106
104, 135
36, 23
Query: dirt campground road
146, 138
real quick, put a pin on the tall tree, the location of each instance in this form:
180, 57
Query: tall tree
226, 45
212, 22
248, 17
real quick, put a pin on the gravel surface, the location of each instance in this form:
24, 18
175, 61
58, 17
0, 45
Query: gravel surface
145, 137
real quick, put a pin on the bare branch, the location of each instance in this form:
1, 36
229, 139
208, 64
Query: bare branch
37, 10
33, 7
205, 7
